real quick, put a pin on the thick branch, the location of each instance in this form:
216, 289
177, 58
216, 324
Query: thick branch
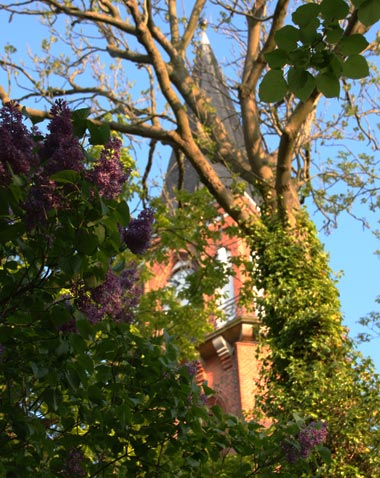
145, 38
183, 137
173, 22
253, 67
192, 25
287, 197
129, 55
255, 62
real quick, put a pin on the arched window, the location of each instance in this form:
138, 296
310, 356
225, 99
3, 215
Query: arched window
227, 292
181, 270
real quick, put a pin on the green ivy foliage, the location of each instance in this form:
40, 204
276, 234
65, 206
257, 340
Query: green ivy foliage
312, 367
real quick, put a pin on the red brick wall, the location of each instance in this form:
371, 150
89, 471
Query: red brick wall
225, 384
247, 372
233, 378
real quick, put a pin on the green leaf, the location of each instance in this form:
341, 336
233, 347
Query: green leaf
335, 65
84, 328
39, 372
309, 34
352, 45
369, 12
50, 397
20, 317
333, 35
100, 233
320, 59
287, 38
301, 82
305, 14
124, 414
72, 378
62, 348
80, 114
94, 277
276, 58
296, 78
99, 134
334, 9
355, 67
12, 232
66, 176
86, 242
273, 87
328, 84
123, 213
76, 341
79, 120
95, 394
300, 57
325, 454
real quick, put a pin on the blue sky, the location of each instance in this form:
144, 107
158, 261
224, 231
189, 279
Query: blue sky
351, 248
352, 251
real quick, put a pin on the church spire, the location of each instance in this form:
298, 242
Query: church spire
207, 73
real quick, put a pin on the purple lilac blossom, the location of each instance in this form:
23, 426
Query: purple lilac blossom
41, 199
61, 149
291, 451
133, 291
16, 144
108, 173
109, 295
307, 439
73, 467
191, 367
116, 297
311, 436
138, 235
203, 399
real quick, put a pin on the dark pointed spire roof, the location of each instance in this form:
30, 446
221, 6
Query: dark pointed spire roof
210, 78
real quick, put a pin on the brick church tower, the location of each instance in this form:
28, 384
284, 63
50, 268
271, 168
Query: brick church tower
227, 356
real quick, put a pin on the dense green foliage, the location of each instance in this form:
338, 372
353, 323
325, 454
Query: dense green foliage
83, 393
312, 366
316, 51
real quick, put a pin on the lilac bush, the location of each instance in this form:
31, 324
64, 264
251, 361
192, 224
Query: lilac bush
311, 436
60, 193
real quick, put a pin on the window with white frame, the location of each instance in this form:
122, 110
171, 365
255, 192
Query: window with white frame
227, 292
